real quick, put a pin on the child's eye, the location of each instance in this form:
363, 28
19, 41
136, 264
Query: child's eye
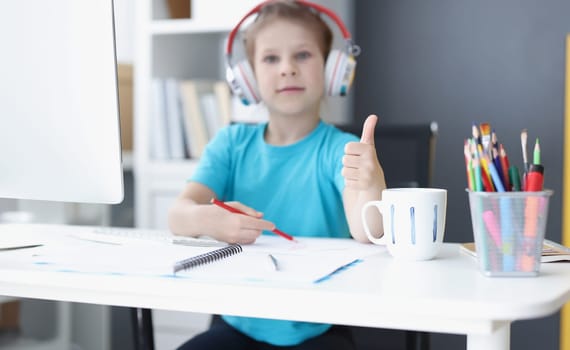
270, 59
303, 55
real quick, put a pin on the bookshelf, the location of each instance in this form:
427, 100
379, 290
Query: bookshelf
183, 49
180, 49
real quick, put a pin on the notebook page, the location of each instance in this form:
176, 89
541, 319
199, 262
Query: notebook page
303, 262
134, 258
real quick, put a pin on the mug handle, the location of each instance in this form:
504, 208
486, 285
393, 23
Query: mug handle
378, 205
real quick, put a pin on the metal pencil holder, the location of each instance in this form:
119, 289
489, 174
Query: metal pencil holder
508, 228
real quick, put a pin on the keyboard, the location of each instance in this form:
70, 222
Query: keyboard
120, 235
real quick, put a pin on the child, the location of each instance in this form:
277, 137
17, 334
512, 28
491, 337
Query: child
309, 178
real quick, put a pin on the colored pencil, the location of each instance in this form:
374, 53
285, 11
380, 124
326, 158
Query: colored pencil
505, 166
536, 153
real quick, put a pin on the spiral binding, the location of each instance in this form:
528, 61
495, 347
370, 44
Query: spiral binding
207, 258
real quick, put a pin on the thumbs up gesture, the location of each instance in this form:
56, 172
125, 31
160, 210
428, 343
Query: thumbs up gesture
368, 130
361, 168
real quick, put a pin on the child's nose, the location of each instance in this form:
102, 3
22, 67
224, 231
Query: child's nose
288, 68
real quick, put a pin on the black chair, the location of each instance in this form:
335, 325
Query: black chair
407, 154
143, 334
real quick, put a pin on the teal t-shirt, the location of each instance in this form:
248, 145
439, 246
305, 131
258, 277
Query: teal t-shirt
298, 187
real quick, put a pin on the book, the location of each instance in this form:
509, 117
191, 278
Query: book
206, 106
210, 112
551, 251
158, 128
194, 123
209, 257
173, 116
224, 98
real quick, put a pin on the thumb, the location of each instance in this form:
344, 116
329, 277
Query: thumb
368, 130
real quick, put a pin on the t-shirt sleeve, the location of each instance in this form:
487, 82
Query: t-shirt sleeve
213, 169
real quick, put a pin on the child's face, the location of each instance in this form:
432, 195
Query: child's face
289, 68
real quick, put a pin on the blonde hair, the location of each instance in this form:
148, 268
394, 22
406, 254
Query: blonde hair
292, 11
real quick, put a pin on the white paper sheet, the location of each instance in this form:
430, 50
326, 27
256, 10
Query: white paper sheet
303, 262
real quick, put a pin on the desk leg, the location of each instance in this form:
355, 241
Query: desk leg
141, 320
500, 339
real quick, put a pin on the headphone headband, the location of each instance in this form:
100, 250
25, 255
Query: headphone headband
345, 33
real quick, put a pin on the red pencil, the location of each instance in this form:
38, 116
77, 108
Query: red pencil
237, 211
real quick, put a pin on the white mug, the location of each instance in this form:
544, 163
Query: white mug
413, 219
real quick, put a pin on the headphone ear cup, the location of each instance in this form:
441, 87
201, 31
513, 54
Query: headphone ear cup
245, 83
339, 73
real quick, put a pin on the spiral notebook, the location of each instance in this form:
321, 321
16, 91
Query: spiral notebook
206, 258
135, 257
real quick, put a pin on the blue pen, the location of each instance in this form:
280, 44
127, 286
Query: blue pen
337, 270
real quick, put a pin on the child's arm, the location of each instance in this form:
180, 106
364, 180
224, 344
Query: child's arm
364, 181
193, 215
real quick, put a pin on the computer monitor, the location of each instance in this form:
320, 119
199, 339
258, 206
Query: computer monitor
59, 114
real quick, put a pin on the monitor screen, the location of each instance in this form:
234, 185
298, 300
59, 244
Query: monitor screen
59, 114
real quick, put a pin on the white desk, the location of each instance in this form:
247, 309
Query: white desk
447, 295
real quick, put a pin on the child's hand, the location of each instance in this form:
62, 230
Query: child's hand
361, 169
238, 228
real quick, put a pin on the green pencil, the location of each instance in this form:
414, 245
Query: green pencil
536, 154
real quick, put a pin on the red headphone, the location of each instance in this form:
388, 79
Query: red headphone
339, 68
